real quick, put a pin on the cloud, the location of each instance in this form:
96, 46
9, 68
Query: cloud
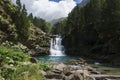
49, 10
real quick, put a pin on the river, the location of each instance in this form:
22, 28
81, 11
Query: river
57, 54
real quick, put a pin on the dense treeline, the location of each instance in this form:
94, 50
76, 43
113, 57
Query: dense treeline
93, 28
40, 23
58, 28
23, 21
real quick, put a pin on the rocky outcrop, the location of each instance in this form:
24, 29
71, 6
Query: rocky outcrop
38, 43
7, 27
81, 71
76, 71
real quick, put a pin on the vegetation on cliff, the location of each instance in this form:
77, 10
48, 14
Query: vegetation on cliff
17, 26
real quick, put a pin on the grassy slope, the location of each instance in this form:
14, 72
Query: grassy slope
16, 65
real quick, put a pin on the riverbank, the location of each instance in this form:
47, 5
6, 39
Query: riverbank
76, 70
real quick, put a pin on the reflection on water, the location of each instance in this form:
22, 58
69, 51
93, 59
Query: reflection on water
56, 58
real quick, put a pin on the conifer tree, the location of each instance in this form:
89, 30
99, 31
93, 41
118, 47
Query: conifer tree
22, 22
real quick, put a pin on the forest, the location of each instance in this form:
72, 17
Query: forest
92, 30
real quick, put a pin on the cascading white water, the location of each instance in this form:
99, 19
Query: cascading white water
56, 48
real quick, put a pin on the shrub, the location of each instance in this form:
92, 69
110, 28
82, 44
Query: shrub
12, 56
11, 67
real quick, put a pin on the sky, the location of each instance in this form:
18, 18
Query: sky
50, 9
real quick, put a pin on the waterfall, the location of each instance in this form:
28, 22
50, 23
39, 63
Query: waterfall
56, 48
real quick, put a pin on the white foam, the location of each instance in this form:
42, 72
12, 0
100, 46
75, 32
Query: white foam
56, 48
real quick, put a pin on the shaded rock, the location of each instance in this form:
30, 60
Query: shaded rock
90, 78
33, 60
51, 75
1, 60
75, 76
65, 78
57, 71
67, 70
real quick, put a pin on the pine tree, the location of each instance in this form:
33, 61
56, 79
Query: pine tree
30, 17
22, 21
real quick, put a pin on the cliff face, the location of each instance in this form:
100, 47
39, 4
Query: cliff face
37, 43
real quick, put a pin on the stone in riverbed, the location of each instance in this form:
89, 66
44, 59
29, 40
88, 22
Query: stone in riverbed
75, 76
59, 66
67, 70
57, 71
52, 75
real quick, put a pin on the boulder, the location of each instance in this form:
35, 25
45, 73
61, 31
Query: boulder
75, 76
59, 66
67, 70
43, 72
52, 75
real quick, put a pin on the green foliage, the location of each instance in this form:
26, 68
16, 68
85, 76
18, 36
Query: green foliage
6, 24
28, 72
30, 17
94, 28
40, 23
58, 28
10, 56
12, 67
18, 46
21, 21
45, 66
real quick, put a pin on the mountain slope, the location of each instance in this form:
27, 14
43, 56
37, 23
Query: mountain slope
56, 21
7, 27
38, 41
